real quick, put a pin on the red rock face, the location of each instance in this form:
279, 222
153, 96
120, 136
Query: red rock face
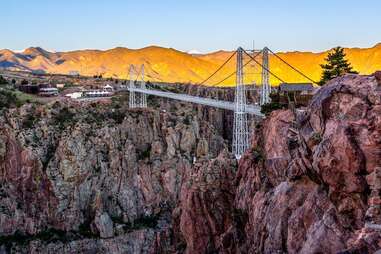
206, 204
302, 187
22, 176
310, 183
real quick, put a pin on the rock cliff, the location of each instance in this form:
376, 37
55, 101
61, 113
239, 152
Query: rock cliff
309, 184
101, 178
98, 178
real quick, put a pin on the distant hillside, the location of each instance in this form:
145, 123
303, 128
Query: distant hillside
170, 65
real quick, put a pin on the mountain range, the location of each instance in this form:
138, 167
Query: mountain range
170, 65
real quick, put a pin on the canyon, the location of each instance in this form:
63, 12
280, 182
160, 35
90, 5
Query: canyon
85, 177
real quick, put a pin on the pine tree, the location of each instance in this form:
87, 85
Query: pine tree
336, 65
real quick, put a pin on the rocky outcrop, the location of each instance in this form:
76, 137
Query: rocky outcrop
309, 184
96, 178
206, 204
93, 178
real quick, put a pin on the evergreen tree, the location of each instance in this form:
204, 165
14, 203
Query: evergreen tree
336, 65
3, 81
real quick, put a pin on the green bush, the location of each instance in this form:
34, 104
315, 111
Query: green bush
144, 154
270, 107
29, 121
258, 155
8, 100
64, 118
142, 222
3, 81
187, 120
317, 137
117, 116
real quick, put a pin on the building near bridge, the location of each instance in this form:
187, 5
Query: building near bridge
48, 91
97, 93
75, 95
60, 86
298, 94
31, 89
39, 89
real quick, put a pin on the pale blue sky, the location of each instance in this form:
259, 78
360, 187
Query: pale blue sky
185, 25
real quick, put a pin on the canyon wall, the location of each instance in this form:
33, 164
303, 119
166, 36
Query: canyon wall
101, 178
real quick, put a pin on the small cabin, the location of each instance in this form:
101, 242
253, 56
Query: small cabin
298, 94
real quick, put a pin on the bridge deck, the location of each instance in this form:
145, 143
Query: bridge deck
250, 109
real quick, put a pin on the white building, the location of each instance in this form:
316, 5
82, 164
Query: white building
98, 93
48, 91
75, 95
108, 88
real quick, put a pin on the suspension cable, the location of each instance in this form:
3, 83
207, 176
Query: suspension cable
266, 69
292, 67
236, 71
281, 80
232, 74
203, 82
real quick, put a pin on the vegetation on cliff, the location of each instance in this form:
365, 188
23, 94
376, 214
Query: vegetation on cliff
337, 65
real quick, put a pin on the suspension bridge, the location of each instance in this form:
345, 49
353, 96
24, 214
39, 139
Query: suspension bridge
241, 135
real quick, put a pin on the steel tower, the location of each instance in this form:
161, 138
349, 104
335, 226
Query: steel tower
241, 129
266, 89
136, 99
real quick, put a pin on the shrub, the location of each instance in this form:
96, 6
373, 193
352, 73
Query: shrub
316, 137
117, 116
270, 107
29, 121
143, 222
258, 155
8, 100
145, 153
187, 120
64, 118
3, 81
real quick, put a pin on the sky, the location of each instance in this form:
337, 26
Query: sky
201, 25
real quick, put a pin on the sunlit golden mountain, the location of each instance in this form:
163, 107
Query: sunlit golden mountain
170, 65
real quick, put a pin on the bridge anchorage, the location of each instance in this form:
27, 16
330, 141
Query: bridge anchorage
241, 133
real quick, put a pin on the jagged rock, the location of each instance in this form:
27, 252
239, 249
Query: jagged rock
3, 147
75, 164
188, 140
104, 225
202, 148
207, 204
298, 191
311, 199
307, 184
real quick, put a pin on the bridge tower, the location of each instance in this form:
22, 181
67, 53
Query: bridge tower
136, 99
266, 89
241, 129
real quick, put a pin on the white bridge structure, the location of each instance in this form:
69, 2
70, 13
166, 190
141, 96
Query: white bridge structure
228, 105
241, 134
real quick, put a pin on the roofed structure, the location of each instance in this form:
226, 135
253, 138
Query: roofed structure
296, 87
